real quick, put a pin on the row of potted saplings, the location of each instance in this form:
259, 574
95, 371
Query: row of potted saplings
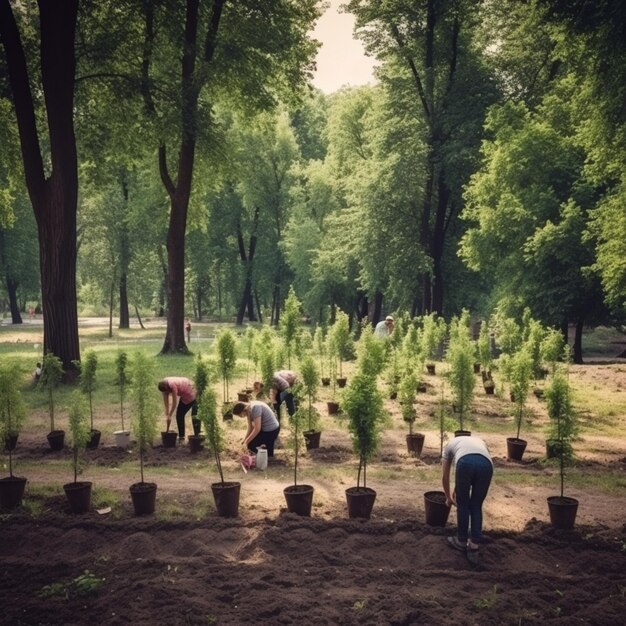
360, 402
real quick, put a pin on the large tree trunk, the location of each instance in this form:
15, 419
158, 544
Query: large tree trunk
16, 318
54, 198
437, 243
247, 260
376, 308
124, 312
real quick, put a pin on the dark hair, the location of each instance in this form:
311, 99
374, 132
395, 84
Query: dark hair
238, 408
163, 386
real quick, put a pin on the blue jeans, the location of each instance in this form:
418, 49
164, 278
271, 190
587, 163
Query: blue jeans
472, 479
287, 397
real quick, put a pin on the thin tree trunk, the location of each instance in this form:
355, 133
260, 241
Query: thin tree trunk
12, 285
139, 318
376, 308
111, 303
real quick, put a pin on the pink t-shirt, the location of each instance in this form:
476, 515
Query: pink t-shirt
183, 388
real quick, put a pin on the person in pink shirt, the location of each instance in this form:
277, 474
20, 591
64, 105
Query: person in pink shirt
179, 393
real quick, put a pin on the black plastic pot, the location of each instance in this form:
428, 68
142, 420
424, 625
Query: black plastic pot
56, 439
226, 496
168, 438
10, 441
299, 499
360, 502
430, 368
515, 448
143, 496
462, 433
11, 492
195, 443
414, 444
94, 440
79, 496
312, 439
333, 408
562, 511
341, 382
326, 381
435, 508
490, 389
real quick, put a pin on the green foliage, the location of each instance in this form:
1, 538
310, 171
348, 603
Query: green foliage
433, 334
484, 347
88, 378
521, 371
564, 426
78, 428
289, 322
202, 376
534, 334
207, 414
461, 358
310, 379
319, 345
408, 387
121, 378
86, 584
51, 374
227, 358
552, 348
370, 352
507, 332
341, 340
12, 407
145, 406
363, 404
295, 438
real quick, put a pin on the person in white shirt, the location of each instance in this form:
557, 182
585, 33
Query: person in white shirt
473, 472
385, 328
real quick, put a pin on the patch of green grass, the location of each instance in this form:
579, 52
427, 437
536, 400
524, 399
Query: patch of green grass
488, 600
606, 482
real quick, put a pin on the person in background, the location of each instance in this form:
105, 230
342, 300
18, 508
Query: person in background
37, 373
188, 330
282, 391
258, 390
179, 394
385, 328
263, 427
473, 472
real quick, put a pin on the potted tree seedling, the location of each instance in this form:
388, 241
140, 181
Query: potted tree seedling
51, 375
342, 343
435, 509
461, 376
332, 404
521, 369
201, 382
227, 362
408, 385
299, 498
289, 322
122, 437
563, 428
144, 416
483, 347
250, 344
319, 344
78, 493
433, 334
87, 370
363, 404
12, 416
309, 376
225, 494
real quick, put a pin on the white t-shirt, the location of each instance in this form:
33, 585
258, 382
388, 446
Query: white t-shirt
460, 446
381, 330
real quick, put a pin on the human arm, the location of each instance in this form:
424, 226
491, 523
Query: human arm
445, 479
254, 428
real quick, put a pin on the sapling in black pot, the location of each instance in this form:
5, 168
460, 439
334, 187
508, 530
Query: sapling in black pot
87, 370
227, 362
299, 498
408, 385
341, 343
461, 358
289, 322
225, 494
51, 374
144, 415
363, 404
309, 377
201, 381
520, 374
122, 437
12, 416
78, 493
563, 428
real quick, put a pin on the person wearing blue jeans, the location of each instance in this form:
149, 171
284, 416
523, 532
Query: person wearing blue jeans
282, 391
473, 472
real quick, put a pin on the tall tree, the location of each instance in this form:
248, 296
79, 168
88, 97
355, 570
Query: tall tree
52, 186
226, 50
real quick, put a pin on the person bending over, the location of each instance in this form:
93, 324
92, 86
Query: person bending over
179, 394
263, 427
282, 391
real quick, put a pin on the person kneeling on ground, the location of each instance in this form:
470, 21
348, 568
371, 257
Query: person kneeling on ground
263, 427
473, 472
180, 391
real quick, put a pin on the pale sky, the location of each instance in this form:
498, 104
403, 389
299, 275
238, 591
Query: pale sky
341, 60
